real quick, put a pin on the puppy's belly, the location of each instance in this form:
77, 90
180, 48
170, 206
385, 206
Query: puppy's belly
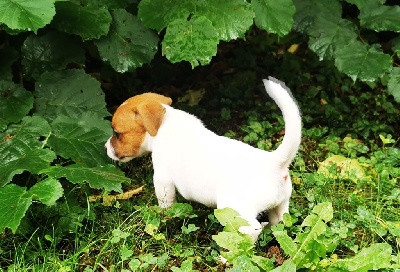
200, 190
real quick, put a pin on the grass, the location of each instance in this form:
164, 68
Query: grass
340, 118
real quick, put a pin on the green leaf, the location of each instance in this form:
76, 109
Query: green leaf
345, 168
394, 84
230, 241
287, 266
14, 202
380, 18
89, 22
326, 36
287, 244
231, 19
101, 177
186, 266
180, 210
157, 14
190, 228
314, 252
194, 41
70, 93
8, 56
126, 253
306, 11
26, 14
21, 151
111, 4
243, 263
275, 16
324, 211
263, 263
364, 62
42, 53
81, 139
377, 256
31, 126
129, 44
363, 3
47, 191
364, 214
396, 46
305, 249
230, 219
15, 103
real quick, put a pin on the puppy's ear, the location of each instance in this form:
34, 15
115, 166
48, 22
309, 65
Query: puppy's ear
165, 100
152, 114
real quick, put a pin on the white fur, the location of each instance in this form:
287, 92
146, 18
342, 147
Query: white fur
221, 172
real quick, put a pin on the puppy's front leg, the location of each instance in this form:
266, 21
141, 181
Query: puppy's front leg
166, 194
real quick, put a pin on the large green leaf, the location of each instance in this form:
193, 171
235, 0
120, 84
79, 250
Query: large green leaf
33, 127
286, 243
377, 256
26, 14
129, 44
231, 239
157, 14
47, 191
396, 45
89, 22
275, 16
106, 177
81, 138
363, 3
231, 19
42, 53
8, 56
364, 62
380, 18
394, 84
111, 4
306, 11
305, 248
15, 103
327, 36
230, 219
70, 93
14, 202
20, 150
194, 41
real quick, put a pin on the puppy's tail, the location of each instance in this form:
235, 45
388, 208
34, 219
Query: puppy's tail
291, 114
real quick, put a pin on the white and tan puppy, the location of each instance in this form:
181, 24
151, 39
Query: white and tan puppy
204, 167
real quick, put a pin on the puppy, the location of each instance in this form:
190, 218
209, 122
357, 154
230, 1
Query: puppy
213, 170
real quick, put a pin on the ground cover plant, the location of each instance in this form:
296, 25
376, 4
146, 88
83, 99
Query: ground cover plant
66, 65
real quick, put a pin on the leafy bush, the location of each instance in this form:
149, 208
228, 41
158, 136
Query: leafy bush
312, 248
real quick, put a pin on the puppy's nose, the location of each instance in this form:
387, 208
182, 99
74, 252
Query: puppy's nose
105, 148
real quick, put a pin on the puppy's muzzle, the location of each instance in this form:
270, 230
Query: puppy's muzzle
110, 151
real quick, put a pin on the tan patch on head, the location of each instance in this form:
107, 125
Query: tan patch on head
136, 116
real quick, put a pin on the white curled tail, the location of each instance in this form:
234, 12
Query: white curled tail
282, 96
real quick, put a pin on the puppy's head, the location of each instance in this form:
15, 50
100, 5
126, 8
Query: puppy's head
137, 116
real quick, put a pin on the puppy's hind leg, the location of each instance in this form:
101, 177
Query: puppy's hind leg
275, 215
253, 230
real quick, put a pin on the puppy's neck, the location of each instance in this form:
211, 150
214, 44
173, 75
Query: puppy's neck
147, 145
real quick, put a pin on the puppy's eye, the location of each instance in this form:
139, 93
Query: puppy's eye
117, 135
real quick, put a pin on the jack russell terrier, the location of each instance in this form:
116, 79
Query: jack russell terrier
213, 170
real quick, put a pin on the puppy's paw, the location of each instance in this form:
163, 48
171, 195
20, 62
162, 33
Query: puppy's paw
251, 231
223, 260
